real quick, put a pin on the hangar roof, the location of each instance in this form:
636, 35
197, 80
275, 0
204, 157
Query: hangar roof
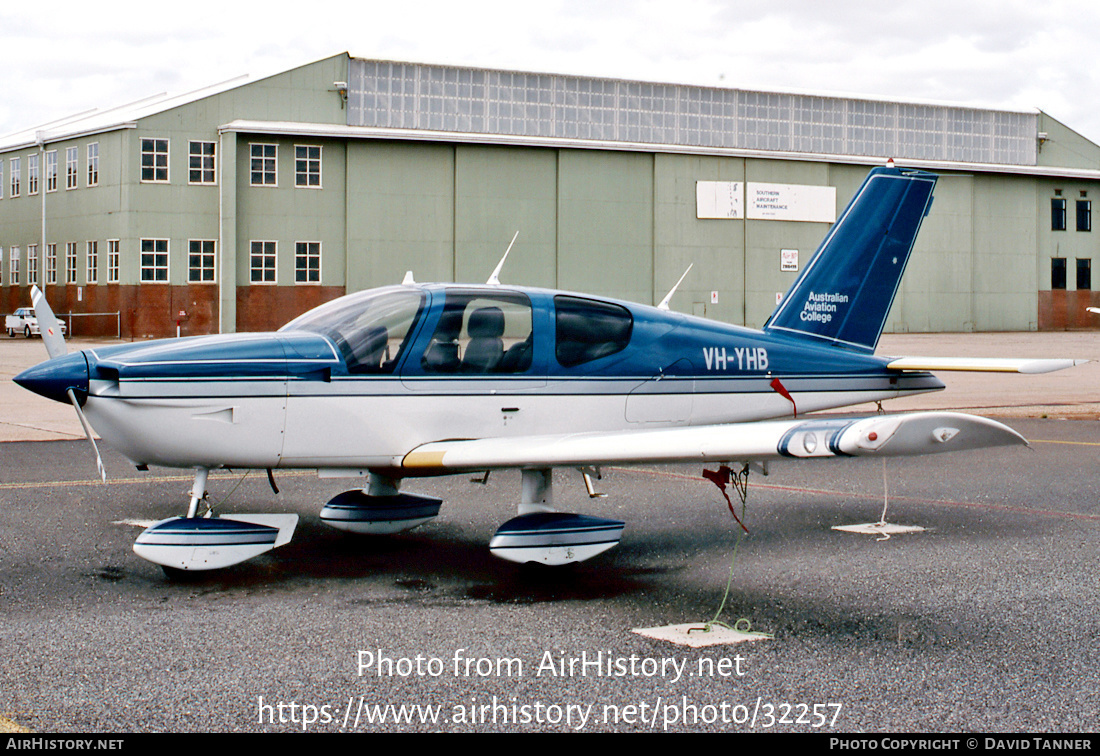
123, 116
388, 99
383, 94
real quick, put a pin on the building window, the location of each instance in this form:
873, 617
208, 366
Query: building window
1057, 273
93, 263
154, 260
70, 262
32, 174
307, 262
1084, 274
307, 166
51, 171
93, 164
200, 260
1, 266
1084, 215
262, 262
200, 163
1058, 214
15, 255
51, 263
16, 174
112, 261
264, 160
32, 263
71, 157
154, 160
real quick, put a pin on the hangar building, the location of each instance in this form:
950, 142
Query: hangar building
239, 206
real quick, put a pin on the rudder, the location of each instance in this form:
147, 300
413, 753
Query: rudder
845, 293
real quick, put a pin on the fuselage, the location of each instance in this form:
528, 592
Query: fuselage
363, 380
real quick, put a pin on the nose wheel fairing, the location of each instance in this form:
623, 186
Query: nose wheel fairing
211, 543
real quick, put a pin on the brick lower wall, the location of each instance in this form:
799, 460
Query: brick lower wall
144, 311
266, 308
151, 311
1064, 310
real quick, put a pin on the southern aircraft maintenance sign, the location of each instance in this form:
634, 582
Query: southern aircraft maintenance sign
787, 202
791, 202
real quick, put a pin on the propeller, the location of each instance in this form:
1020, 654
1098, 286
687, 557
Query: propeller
88, 432
48, 325
55, 345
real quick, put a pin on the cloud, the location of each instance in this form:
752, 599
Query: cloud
1007, 54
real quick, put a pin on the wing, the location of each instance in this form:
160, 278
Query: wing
880, 435
982, 364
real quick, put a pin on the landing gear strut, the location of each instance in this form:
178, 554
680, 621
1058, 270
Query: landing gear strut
540, 534
194, 543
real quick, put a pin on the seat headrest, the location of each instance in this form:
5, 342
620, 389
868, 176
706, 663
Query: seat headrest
486, 322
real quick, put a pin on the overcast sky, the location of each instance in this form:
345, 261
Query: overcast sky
68, 57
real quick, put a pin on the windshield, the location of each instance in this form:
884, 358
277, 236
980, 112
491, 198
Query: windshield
370, 328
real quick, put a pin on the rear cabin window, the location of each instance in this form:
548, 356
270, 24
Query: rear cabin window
481, 332
588, 330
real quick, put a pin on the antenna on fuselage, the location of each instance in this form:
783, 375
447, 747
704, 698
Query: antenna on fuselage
664, 302
408, 280
494, 280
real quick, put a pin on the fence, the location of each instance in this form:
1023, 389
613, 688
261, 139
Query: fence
68, 316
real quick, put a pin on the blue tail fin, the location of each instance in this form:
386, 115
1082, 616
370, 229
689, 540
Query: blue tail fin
844, 295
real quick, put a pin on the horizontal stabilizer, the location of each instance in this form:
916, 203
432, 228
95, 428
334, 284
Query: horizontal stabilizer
982, 365
881, 435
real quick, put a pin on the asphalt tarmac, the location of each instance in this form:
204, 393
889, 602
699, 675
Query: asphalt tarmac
985, 622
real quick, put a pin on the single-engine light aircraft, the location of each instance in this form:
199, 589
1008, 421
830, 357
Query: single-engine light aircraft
435, 379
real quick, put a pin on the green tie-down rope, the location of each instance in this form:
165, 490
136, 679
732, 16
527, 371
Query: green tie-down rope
743, 625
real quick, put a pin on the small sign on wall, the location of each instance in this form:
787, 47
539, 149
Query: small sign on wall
719, 199
714, 297
788, 260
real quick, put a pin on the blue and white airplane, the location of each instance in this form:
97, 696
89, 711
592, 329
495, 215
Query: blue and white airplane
436, 379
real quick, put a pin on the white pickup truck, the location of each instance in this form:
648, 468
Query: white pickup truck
24, 322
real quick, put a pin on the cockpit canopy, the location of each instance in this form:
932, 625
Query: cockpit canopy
472, 330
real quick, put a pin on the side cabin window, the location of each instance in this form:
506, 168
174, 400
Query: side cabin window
587, 329
481, 332
371, 329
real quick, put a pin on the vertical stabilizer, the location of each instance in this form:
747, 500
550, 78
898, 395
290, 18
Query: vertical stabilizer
845, 293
